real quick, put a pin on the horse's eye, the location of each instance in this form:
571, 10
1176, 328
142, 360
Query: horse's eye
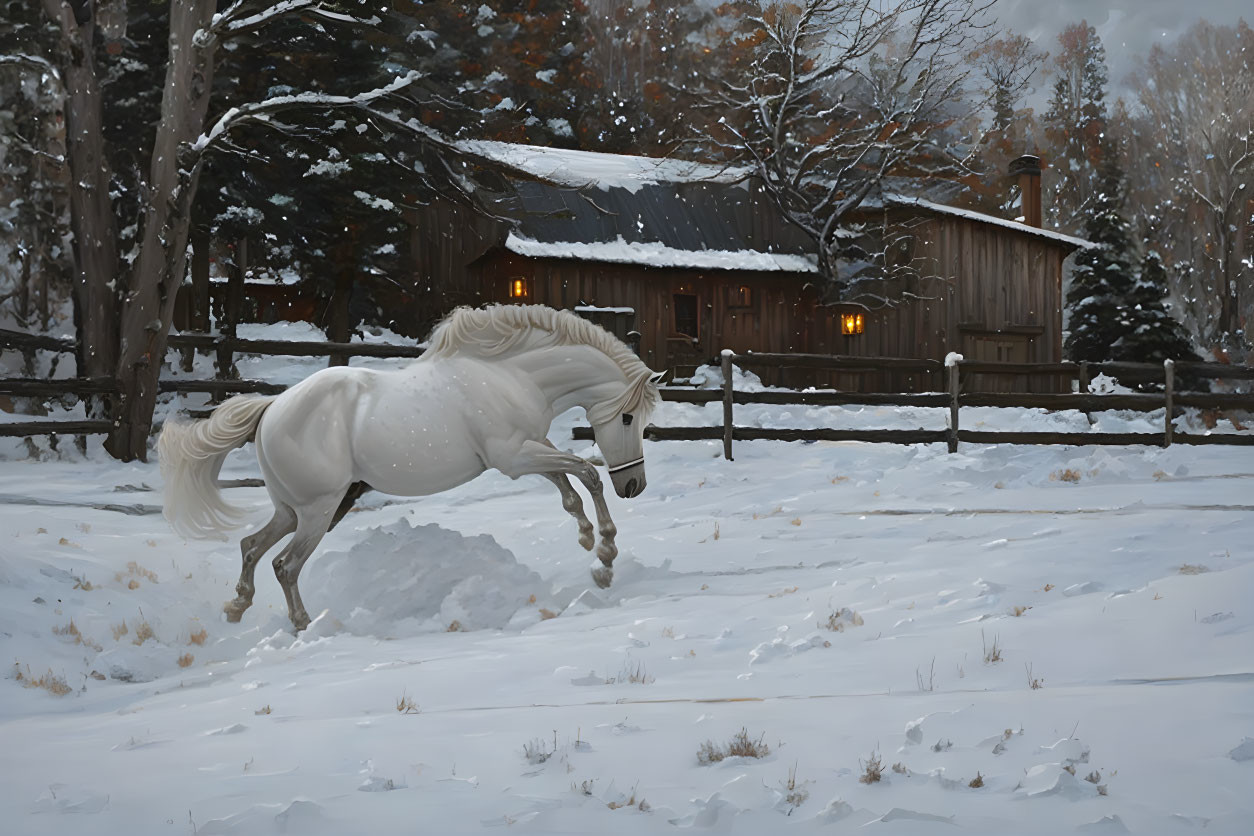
626, 419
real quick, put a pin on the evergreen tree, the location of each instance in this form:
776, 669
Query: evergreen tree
1154, 334
1075, 126
1102, 283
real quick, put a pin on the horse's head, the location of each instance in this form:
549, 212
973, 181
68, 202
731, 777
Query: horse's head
620, 435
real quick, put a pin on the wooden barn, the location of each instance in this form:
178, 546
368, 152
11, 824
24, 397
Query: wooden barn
689, 259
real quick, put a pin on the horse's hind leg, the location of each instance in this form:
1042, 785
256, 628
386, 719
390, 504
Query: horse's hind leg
351, 496
311, 526
252, 548
574, 506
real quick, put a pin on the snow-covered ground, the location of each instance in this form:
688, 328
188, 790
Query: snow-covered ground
843, 604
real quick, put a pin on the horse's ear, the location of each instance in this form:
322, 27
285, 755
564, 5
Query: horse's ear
656, 377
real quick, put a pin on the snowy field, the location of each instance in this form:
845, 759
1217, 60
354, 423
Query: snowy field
1025, 640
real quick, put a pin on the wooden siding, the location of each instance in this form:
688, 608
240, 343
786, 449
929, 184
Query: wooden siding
979, 287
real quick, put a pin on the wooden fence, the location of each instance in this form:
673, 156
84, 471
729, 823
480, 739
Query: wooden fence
224, 347
1169, 398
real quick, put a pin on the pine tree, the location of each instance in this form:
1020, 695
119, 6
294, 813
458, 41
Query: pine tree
1154, 335
1075, 125
1102, 283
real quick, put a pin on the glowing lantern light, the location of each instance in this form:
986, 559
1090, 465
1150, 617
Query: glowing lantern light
518, 288
851, 323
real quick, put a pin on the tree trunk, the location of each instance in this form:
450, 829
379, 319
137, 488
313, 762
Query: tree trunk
91, 217
162, 260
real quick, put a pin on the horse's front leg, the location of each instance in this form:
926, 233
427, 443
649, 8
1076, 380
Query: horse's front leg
574, 506
546, 460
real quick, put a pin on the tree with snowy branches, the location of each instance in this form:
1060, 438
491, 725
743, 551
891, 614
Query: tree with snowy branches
132, 196
1097, 300
1153, 334
840, 95
1075, 125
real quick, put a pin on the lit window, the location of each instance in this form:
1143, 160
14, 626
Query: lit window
742, 296
518, 288
851, 323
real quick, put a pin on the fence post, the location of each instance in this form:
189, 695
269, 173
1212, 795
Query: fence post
1169, 375
954, 385
1084, 377
727, 404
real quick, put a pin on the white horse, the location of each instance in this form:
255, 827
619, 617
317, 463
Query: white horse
482, 396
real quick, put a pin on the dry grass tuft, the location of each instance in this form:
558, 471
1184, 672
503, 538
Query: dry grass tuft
199, 637
72, 631
842, 618
636, 675
546, 614
741, 746
930, 685
794, 794
1048, 587
1033, 682
786, 591
404, 705
641, 805
536, 752
83, 584
50, 682
143, 632
1193, 569
455, 626
1069, 475
265, 709
70, 543
795, 521
120, 630
977, 781
1018, 610
134, 572
900, 768
872, 770
186, 660
1094, 777
992, 655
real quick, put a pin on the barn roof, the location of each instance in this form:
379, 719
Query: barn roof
659, 212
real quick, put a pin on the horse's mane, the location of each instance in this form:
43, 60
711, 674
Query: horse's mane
499, 329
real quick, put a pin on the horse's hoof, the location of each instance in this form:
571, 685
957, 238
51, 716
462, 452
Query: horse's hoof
300, 622
587, 541
234, 611
603, 576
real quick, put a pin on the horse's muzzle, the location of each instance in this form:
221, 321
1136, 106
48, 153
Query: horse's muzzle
628, 479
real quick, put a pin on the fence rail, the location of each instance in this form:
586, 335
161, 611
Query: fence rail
728, 432
955, 399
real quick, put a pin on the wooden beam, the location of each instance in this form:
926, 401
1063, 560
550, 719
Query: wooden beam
24, 428
728, 395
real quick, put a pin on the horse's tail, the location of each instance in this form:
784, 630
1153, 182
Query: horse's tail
191, 456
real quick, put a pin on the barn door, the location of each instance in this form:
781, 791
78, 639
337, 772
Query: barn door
997, 347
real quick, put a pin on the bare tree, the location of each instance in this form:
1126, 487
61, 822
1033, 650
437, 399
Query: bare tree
844, 93
1193, 148
1008, 65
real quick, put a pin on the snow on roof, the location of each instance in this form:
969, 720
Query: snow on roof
581, 169
659, 255
943, 209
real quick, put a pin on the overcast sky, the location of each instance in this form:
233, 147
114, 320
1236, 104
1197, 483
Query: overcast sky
1128, 28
